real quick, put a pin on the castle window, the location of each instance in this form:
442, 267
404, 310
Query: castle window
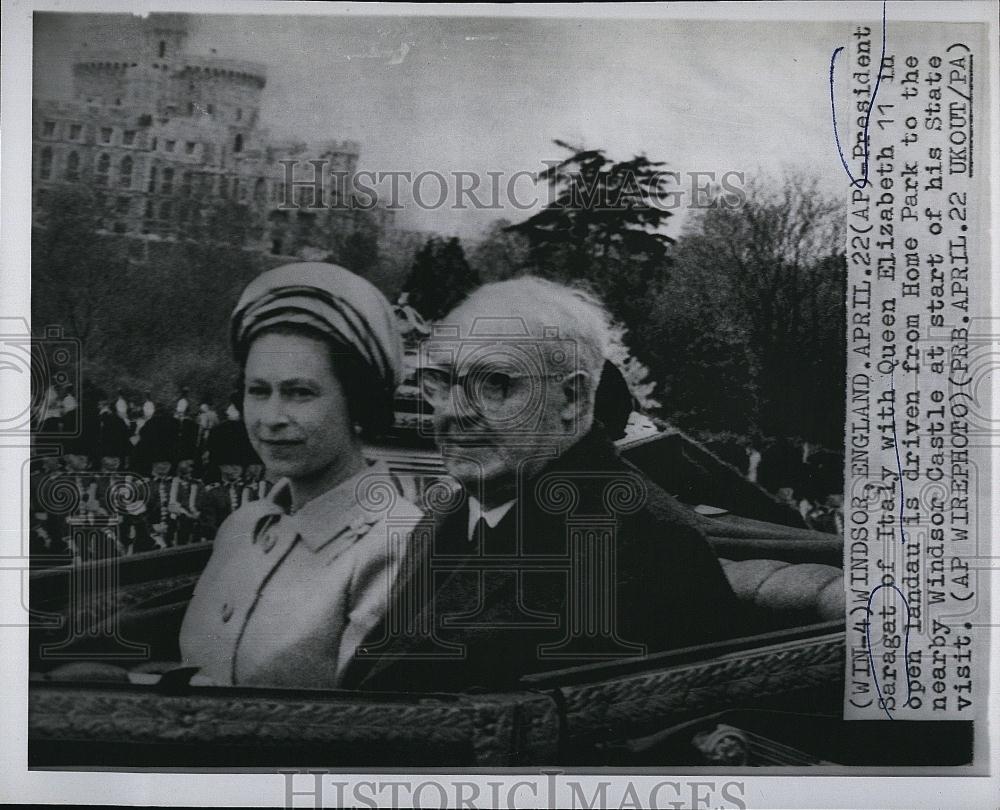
49, 129
190, 108
73, 166
154, 144
103, 166
128, 137
166, 210
118, 102
121, 205
168, 182
152, 179
169, 145
223, 187
186, 184
211, 109
239, 113
238, 142
74, 131
162, 50
105, 134
125, 172
189, 148
45, 167
149, 209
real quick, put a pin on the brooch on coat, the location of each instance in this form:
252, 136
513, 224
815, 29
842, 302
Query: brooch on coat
354, 531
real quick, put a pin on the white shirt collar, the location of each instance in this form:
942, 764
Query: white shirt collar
492, 516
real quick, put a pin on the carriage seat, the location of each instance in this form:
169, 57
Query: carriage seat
782, 594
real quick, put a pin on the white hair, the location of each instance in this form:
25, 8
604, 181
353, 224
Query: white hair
578, 315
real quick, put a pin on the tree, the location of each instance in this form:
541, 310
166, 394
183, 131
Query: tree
604, 225
359, 249
772, 271
397, 248
501, 254
635, 373
440, 278
77, 273
229, 222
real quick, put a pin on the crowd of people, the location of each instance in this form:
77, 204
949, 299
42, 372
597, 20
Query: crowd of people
135, 477
334, 577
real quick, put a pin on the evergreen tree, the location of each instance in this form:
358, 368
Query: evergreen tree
502, 254
604, 225
359, 250
77, 272
440, 277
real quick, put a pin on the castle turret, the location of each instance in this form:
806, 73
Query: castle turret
164, 38
162, 135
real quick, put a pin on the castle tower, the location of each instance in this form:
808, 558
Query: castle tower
162, 135
164, 38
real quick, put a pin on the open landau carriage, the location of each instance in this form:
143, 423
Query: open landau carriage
772, 697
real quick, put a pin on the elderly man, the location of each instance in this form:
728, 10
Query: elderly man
556, 552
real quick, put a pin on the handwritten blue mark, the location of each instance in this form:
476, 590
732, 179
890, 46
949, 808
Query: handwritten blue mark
859, 182
871, 654
895, 446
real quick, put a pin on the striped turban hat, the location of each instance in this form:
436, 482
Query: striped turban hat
329, 299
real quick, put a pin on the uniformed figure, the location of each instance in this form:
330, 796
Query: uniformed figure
46, 543
255, 485
156, 439
299, 577
182, 505
208, 419
160, 482
219, 500
121, 407
228, 444
148, 410
181, 408
155, 454
230, 454
77, 474
117, 494
185, 489
112, 440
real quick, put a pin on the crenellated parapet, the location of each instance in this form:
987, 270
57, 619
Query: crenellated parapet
163, 136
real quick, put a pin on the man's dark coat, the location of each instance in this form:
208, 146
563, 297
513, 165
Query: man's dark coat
501, 609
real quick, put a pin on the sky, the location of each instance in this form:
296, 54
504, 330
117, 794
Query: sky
485, 94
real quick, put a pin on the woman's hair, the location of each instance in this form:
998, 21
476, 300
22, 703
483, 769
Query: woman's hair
368, 405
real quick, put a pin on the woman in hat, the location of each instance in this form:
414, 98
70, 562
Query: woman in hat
298, 579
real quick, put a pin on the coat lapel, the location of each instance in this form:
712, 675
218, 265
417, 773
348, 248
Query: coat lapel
432, 540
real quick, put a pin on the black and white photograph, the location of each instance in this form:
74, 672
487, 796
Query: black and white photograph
577, 395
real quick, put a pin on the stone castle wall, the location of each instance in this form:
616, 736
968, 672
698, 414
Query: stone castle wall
162, 135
